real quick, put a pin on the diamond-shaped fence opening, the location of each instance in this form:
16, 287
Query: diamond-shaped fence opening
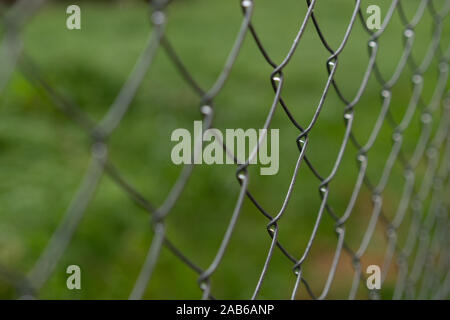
367, 116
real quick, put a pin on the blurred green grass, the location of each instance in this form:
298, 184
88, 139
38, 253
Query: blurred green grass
44, 154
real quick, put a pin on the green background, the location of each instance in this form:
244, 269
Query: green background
43, 154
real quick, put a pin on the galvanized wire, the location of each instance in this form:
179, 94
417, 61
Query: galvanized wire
423, 260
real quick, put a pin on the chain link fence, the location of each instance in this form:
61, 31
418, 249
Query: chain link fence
416, 228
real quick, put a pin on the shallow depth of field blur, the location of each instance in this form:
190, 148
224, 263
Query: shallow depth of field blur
44, 154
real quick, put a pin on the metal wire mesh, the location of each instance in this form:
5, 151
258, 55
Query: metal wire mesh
422, 262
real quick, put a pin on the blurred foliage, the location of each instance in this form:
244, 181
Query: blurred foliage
44, 154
